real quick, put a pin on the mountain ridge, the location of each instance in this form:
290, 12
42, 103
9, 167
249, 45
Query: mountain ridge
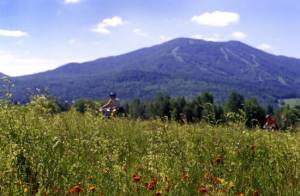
180, 67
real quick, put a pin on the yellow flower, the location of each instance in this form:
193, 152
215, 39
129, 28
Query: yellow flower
26, 190
231, 185
92, 188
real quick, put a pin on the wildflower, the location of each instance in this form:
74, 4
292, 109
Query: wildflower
136, 178
231, 185
136, 189
217, 180
219, 159
206, 174
155, 180
26, 190
92, 188
168, 188
253, 147
125, 168
185, 176
255, 193
106, 170
140, 167
202, 189
90, 177
158, 192
241, 194
167, 179
76, 189
56, 189
150, 186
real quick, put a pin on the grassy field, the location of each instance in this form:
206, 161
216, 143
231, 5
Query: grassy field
292, 102
71, 153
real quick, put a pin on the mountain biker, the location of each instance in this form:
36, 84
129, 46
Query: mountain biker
270, 122
112, 106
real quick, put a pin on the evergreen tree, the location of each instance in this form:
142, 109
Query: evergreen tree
270, 110
137, 109
188, 113
161, 106
207, 98
255, 114
235, 103
178, 106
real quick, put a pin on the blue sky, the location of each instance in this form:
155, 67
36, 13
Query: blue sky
38, 35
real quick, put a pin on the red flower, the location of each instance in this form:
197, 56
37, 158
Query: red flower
202, 189
136, 178
150, 186
76, 189
219, 159
185, 176
255, 193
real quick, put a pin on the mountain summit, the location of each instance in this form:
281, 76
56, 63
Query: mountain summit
180, 67
1, 75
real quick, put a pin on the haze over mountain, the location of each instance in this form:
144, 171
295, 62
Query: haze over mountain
180, 67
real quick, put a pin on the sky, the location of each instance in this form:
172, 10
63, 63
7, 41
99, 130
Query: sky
39, 35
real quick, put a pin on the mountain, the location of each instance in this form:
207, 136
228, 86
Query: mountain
180, 67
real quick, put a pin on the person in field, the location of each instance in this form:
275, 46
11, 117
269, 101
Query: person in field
270, 122
112, 106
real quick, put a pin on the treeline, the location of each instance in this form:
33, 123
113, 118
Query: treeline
203, 108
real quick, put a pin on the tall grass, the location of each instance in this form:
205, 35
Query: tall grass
66, 153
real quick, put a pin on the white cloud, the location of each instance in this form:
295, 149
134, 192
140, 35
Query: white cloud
213, 38
239, 35
12, 33
164, 38
72, 1
140, 32
264, 46
217, 19
104, 25
15, 65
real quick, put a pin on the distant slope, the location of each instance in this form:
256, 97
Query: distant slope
183, 66
1, 75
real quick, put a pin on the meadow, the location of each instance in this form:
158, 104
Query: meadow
74, 153
292, 102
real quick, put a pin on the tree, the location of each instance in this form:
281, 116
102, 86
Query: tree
270, 110
197, 108
188, 113
219, 114
161, 106
207, 98
235, 103
208, 107
290, 117
83, 105
178, 106
137, 109
255, 114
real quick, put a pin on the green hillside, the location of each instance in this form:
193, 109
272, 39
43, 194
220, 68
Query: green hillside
292, 102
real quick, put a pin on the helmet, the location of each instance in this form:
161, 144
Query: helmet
112, 94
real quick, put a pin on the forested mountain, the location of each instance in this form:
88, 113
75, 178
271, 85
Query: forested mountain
180, 67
